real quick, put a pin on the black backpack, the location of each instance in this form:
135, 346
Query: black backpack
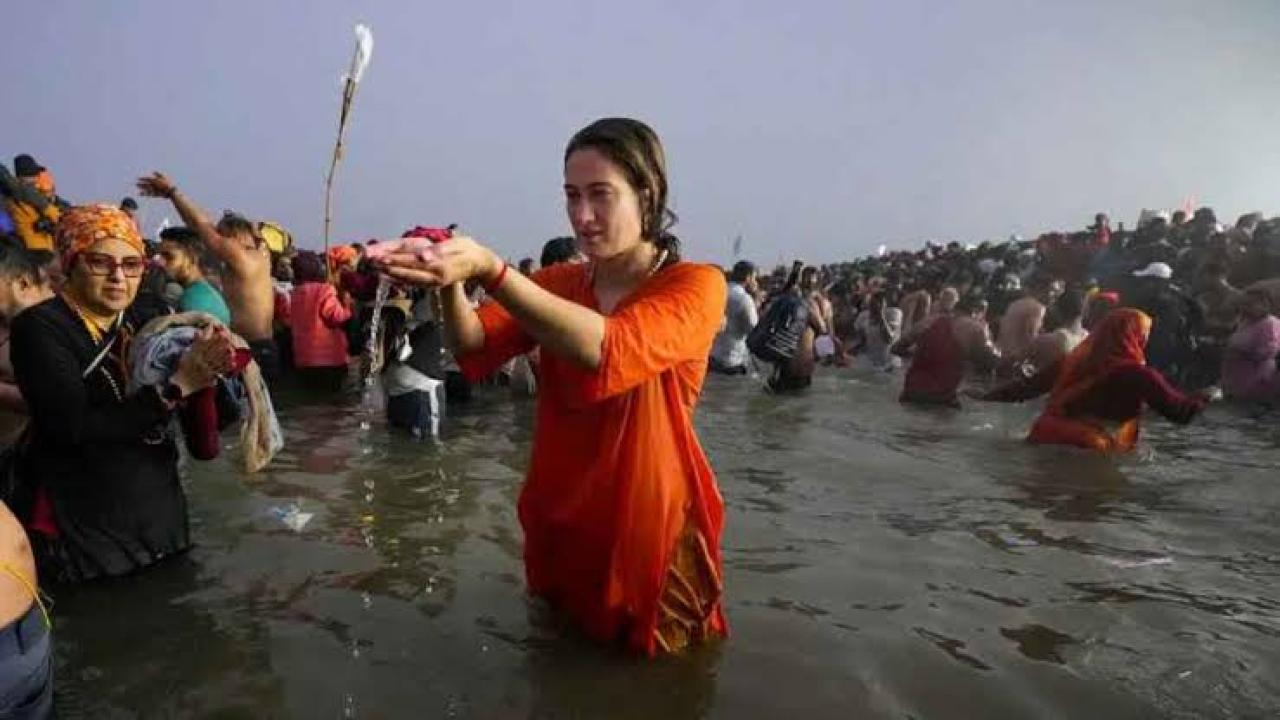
775, 338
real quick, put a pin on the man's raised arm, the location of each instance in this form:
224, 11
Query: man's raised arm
158, 185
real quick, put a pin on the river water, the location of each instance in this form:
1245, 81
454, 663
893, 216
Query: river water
880, 562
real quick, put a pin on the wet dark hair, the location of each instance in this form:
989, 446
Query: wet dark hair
742, 270
636, 150
18, 263
308, 267
1070, 305
236, 224
558, 250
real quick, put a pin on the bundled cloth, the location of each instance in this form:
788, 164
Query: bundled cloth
154, 357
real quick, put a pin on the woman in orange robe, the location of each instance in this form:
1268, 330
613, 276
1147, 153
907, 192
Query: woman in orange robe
1104, 384
620, 509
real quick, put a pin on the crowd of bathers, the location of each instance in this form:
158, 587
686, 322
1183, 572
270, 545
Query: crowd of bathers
1169, 315
118, 350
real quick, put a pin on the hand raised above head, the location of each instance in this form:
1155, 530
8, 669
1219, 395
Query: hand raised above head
157, 184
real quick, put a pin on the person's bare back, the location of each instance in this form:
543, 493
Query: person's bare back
1019, 327
250, 295
974, 339
1050, 348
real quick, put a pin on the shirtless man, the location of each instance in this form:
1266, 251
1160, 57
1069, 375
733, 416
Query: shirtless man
947, 299
247, 284
26, 660
1050, 348
1023, 321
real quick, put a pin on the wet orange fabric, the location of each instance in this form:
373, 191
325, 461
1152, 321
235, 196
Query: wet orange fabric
1118, 341
617, 476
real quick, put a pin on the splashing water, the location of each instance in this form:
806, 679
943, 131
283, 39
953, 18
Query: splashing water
372, 350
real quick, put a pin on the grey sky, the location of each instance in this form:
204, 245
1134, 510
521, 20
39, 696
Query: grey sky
813, 128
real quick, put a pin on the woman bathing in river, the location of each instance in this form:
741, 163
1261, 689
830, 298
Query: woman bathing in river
620, 509
1104, 384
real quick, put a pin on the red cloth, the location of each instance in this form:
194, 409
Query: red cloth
316, 316
201, 425
361, 286
42, 520
435, 235
1123, 393
1104, 383
281, 308
937, 368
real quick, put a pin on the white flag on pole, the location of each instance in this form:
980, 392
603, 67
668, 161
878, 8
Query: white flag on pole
364, 51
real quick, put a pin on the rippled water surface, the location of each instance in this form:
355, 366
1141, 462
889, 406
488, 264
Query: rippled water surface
880, 562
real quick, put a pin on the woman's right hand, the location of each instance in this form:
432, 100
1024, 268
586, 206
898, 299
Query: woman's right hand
421, 262
209, 357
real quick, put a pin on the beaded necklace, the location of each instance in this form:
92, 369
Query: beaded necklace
97, 334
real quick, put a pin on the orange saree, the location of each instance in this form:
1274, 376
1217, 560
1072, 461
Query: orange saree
1119, 341
620, 509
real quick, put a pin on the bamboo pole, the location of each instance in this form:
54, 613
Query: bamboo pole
348, 94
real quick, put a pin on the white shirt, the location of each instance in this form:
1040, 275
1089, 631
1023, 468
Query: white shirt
876, 348
740, 316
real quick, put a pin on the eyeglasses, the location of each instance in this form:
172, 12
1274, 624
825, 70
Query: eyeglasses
104, 265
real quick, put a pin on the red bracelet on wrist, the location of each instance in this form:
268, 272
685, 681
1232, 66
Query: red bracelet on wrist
492, 287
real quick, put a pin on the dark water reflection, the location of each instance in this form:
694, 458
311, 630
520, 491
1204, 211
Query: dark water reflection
880, 562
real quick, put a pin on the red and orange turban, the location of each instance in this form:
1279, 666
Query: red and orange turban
341, 255
81, 227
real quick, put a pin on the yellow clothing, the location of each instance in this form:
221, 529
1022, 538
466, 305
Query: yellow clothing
25, 218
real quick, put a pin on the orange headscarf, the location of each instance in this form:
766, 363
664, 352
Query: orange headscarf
341, 255
83, 226
1118, 341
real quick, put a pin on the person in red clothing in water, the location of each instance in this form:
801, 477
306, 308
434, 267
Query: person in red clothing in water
944, 353
1103, 386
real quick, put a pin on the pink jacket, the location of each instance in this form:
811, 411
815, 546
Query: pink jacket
316, 316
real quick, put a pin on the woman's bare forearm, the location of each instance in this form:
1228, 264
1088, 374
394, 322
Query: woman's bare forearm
561, 326
463, 332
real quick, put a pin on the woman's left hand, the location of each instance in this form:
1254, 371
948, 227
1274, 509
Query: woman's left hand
209, 357
420, 262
